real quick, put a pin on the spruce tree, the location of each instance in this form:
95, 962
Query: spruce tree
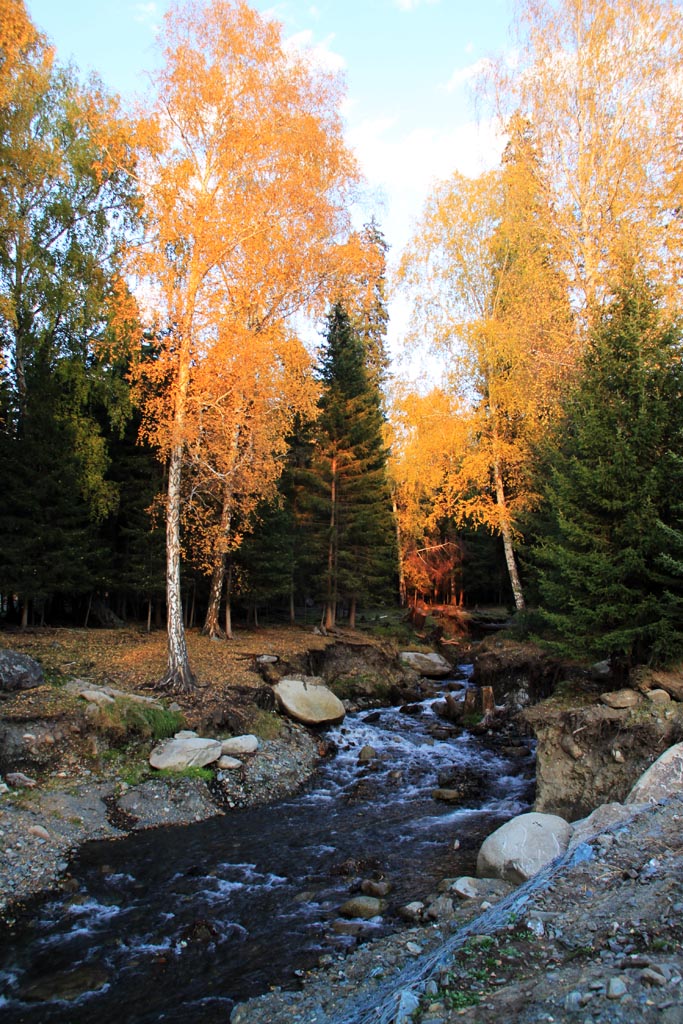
349, 486
611, 578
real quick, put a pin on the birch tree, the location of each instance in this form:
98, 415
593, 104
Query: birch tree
248, 183
490, 300
601, 82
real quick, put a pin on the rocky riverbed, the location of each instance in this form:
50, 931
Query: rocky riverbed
41, 827
600, 941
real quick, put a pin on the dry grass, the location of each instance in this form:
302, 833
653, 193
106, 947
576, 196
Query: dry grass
133, 660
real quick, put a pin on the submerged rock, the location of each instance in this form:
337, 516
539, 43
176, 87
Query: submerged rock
362, 906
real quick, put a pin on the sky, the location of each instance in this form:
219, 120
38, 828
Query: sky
409, 67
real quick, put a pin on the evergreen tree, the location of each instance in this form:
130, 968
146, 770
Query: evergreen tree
350, 491
611, 577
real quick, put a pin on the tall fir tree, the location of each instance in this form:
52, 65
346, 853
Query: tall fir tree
611, 576
350, 493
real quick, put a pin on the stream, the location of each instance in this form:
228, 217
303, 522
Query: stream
179, 923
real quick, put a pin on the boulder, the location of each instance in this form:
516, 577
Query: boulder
185, 752
19, 672
309, 701
362, 906
621, 698
662, 779
432, 665
247, 744
521, 847
367, 753
601, 819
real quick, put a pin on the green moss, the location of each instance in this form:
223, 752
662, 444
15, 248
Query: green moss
267, 725
125, 719
193, 772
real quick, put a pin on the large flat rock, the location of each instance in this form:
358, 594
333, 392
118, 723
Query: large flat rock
309, 701
185, 752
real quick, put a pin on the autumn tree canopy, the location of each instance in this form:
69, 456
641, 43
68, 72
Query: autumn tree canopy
247, 185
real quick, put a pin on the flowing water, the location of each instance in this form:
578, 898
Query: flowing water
178, 923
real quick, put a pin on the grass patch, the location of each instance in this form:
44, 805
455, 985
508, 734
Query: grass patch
193, 772
126, 719
267, 725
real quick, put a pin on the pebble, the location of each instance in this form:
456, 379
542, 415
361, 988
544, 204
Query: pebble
616, 988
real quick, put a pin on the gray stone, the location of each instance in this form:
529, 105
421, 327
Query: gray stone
309, 701
658, 696
621, 698
412, 911
362, 906
19, 781
432, 665
616, 988
226, 763
407, 1004
521, 847
98, 697
603, 817
662, 779
19, 672
247, 744
468, 888
367, 753
185, 752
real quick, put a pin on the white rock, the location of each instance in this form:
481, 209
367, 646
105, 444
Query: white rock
229, 763
309, 701
432, 665
98, 697
184, 734
521, 847
662, 779
185, 752
246, 744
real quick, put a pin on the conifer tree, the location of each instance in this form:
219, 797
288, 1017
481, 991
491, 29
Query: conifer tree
611, 575
352, 501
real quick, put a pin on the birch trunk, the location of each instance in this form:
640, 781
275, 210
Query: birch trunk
506, 533
179, 676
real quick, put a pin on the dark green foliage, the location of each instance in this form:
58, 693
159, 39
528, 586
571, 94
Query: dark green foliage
611, 577
351, 511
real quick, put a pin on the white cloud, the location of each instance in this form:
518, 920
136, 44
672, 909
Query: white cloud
320, 53
462, 75
405, 167
410, 5
146, 14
